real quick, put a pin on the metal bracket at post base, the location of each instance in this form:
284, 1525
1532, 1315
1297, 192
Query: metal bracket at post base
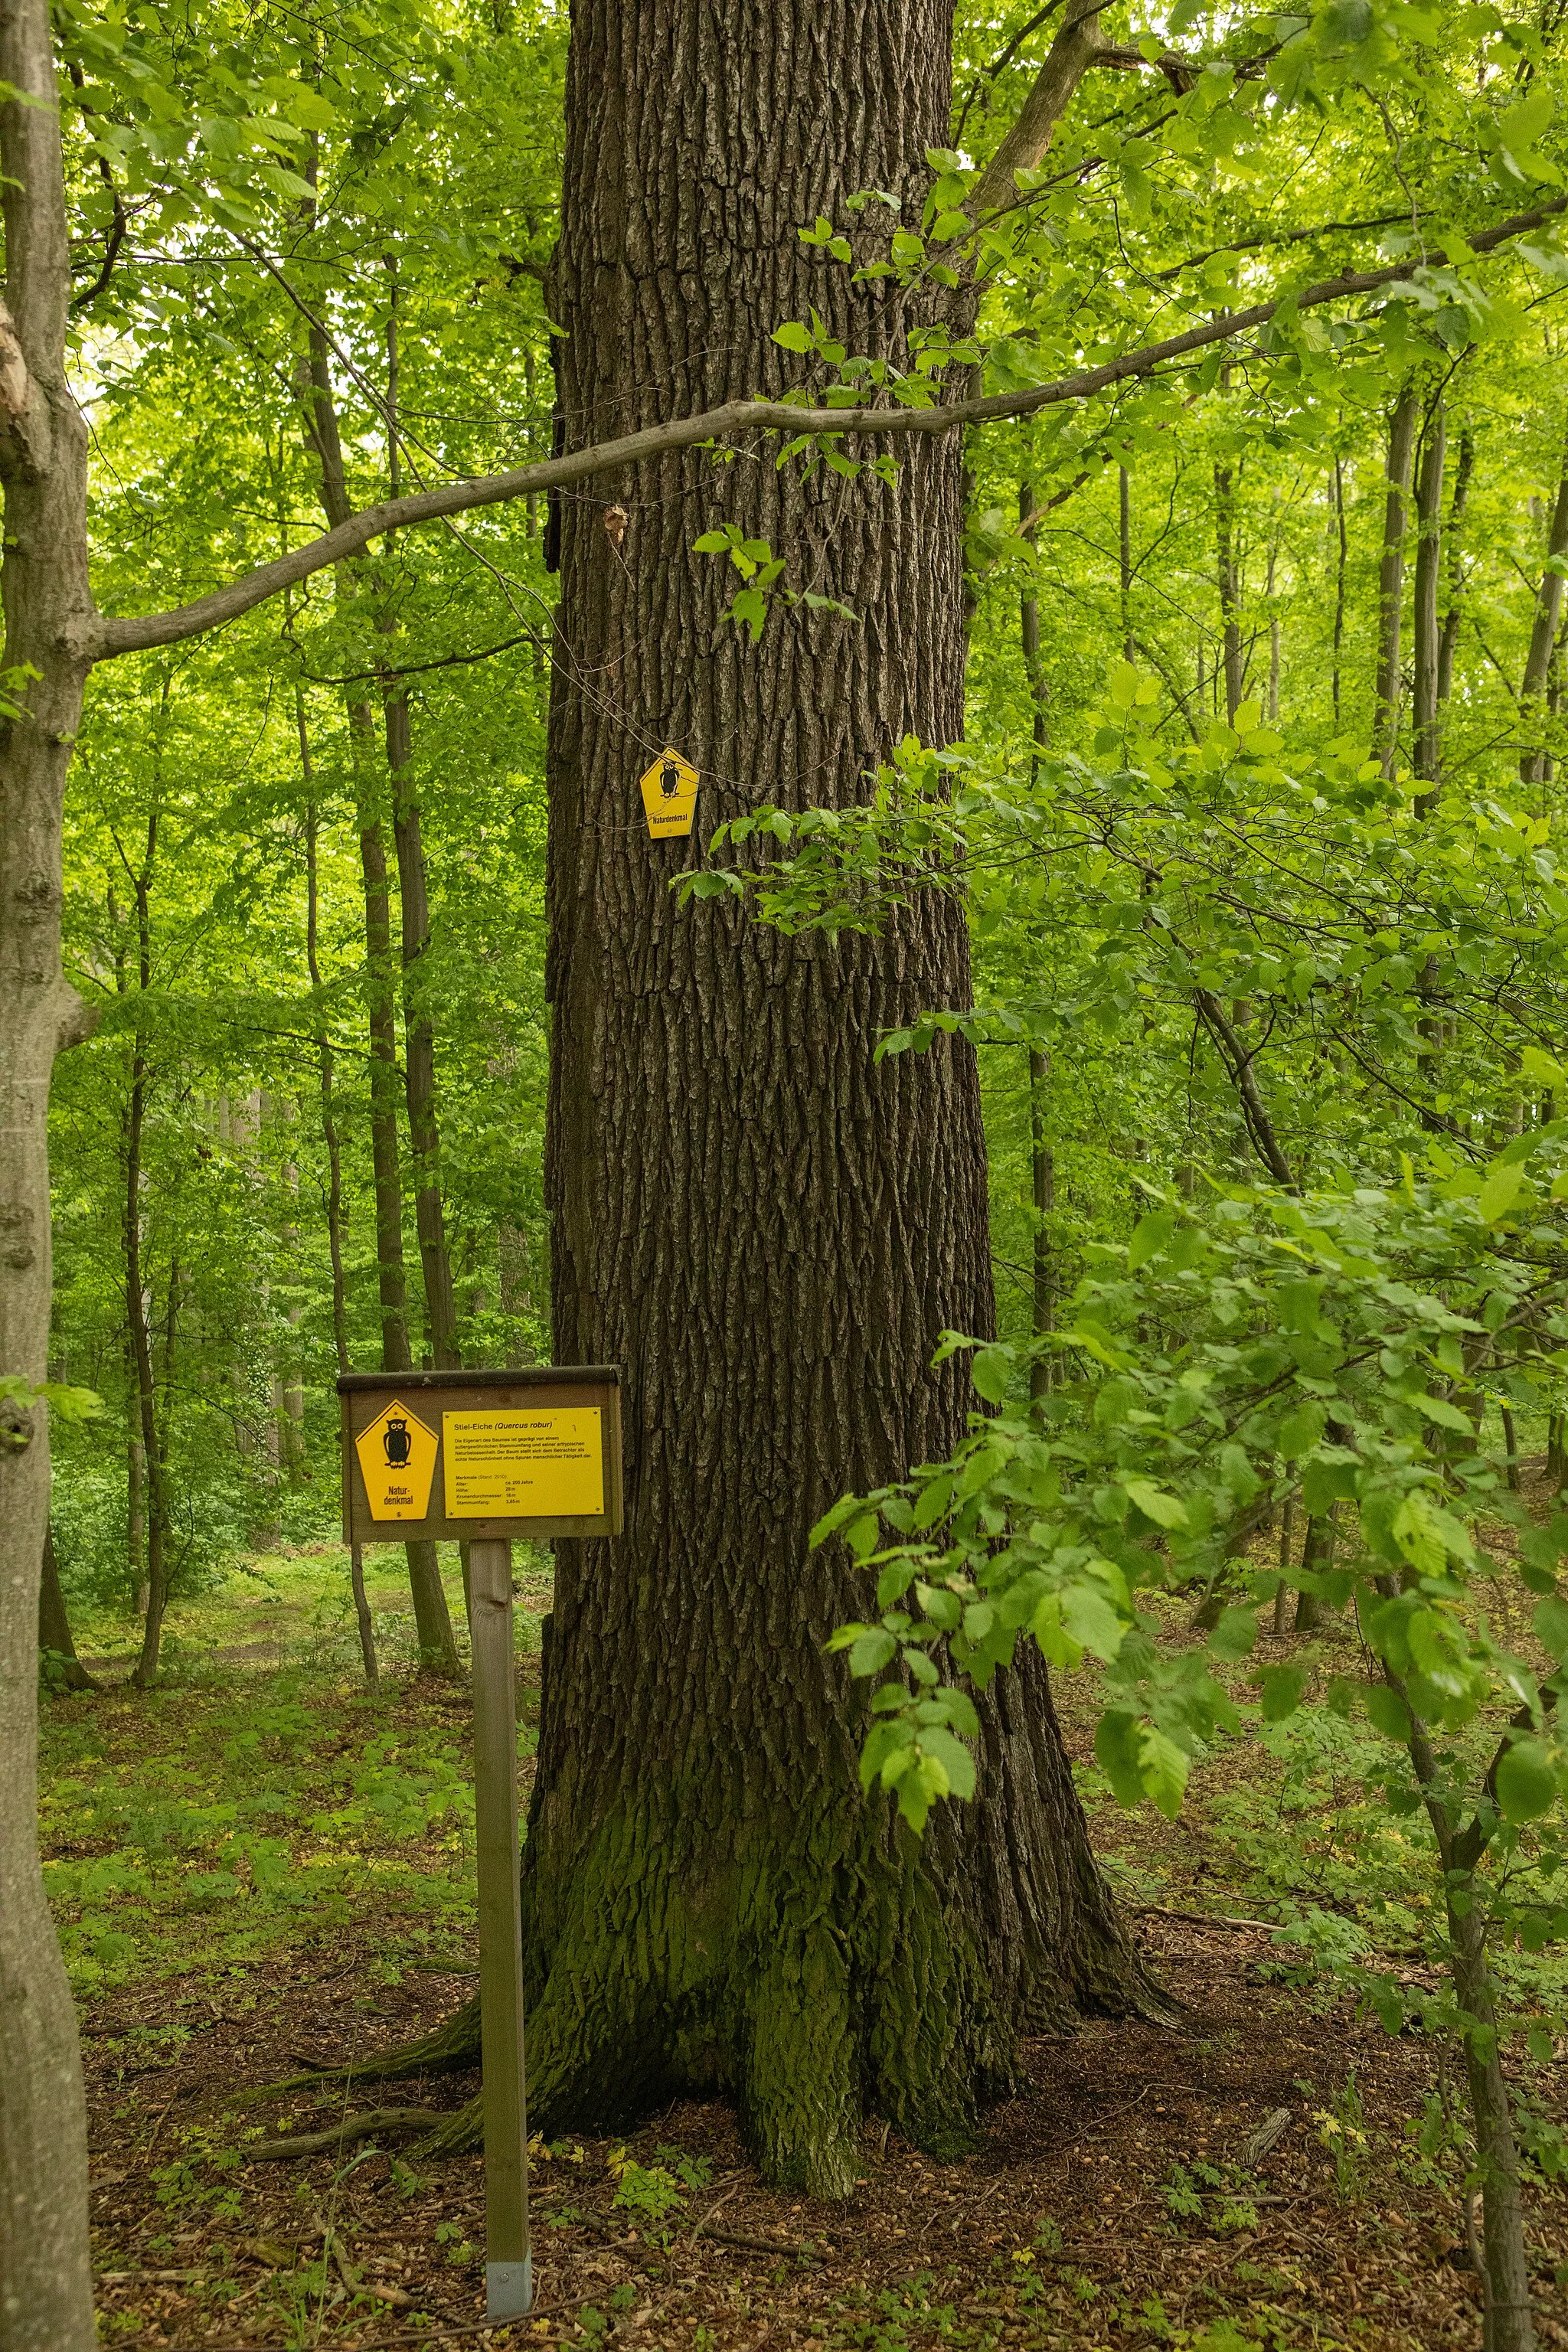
509, 2289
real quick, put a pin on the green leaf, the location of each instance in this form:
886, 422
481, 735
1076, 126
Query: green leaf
1091, 1622
1165, 1510
1282, 1687
861, 1533
1387, 1712
991, 1369
1301, 1429
957, 1763
1445, 1415
1550, 1622
871, 1651
1526, 1782
1235, 1633
750, 608
884, 1741
1116, 1749
1500, 1191
1163, 1768
943, 1608
1150, 1235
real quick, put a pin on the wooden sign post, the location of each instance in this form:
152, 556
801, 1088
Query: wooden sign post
485, 1456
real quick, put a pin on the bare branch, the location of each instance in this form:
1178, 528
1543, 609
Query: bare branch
97, 638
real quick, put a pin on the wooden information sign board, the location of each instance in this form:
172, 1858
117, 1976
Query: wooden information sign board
485, 1456
535, 1452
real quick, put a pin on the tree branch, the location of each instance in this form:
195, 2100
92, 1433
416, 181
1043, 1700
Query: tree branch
1238, 1061
100, 638
1077, 47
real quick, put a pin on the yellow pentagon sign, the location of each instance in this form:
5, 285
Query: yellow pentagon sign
669, 796
397, 1461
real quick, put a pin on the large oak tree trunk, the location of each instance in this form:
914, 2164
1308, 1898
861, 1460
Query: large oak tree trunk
764, 1227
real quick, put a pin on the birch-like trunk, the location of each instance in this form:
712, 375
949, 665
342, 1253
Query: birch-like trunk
46, 2293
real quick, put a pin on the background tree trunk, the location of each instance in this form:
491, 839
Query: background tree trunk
54, 1625
1401, 427
432, 1618
136, 1315
46, 2286
1427, 708
766, 1229
363, 1618
1542, 636
1228, 573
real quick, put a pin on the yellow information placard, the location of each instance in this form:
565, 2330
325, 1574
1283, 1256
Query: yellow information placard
397, 1461
545, 1463
669, 796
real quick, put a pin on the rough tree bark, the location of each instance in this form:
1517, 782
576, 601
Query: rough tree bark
764, 1228
45, 2294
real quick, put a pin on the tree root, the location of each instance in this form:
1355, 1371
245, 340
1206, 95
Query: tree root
453, 2046
456, 2134
339, 2135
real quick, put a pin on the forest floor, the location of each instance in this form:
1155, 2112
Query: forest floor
259, 1864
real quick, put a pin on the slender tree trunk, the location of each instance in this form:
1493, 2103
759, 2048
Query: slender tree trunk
432, 1619
775, 1323
54, 1625
414, 901
1316, 1558
1543, 638
1557, 1452
334, 1163
1428, 708
1508, 2325
1510, 1445
147, 1669
1282, 1593
45, 2290
1229, 573
1043, 1179
1450, 636
135, 1488
1342, 557
1401, 427
1124, 556
419, 1055
1029, 635
1041, 1163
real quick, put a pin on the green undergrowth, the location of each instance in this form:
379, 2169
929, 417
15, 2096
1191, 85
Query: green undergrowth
1304, 1824
247, 1803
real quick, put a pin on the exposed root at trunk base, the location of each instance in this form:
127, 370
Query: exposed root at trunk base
453, 2045
342, 2134
456, 2134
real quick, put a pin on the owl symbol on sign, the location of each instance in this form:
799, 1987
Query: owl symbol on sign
669, 780
396, 1441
